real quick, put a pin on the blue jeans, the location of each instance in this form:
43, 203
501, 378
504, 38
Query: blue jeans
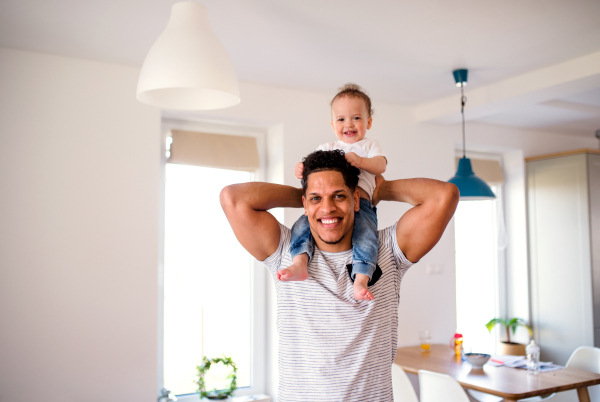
364, 239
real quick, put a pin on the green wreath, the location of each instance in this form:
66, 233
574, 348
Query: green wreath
216, 394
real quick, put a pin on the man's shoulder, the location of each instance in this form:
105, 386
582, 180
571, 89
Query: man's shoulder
388, 244
386, 232
284, 229
387, 236
274, 260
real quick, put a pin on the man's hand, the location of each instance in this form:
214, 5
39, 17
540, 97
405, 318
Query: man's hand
379, 180
299, 170
421, 227
353, 159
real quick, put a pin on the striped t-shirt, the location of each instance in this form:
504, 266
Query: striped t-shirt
331, 346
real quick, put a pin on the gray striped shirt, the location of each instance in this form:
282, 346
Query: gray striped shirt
331, 346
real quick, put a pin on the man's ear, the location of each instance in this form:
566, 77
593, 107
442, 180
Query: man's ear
356, 201
304, 203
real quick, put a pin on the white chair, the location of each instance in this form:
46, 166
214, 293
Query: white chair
437, 387
587, 358
583, 358
403, 389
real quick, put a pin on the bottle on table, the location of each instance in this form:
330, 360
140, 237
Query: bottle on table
457, 344
533, 358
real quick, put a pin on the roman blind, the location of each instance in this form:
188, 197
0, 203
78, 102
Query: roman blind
487, 170
232, 152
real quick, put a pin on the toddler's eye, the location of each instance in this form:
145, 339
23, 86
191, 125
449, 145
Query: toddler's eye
340, 119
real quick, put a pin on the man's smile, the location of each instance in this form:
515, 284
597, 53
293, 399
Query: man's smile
329, 222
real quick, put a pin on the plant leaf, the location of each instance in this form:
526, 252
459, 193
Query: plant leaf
524, 323
493, 322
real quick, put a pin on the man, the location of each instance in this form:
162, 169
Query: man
331, 346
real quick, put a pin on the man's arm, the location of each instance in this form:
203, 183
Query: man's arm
246, 205
421, 227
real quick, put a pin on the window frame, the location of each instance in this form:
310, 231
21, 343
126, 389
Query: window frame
258, 276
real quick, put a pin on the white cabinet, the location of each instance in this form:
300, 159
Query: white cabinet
563, 203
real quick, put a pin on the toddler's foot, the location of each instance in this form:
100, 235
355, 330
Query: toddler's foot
298, 271
360, 288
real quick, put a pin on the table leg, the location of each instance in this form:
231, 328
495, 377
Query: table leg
510, 400
583, 394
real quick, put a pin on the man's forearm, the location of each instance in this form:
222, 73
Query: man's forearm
245, 206
261, 196
422, 226
412, 191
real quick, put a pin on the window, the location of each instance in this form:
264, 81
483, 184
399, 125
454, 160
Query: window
213, 294
480, 242
207, 295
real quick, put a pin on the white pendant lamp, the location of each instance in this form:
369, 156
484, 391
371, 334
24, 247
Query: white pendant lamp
188, 68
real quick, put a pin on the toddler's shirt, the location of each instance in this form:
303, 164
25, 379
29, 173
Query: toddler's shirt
365, 148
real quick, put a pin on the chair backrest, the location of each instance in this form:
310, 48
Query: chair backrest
437, 387
585, 358
403, 389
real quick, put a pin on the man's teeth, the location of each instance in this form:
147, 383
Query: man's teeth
329, 221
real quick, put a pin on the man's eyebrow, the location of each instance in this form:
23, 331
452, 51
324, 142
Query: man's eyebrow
334, 192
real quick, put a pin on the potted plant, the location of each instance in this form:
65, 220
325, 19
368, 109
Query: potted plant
507, 347
217, 394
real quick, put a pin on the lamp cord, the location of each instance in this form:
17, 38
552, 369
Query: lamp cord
463, 100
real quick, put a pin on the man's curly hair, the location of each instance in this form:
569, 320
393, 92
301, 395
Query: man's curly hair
335, 160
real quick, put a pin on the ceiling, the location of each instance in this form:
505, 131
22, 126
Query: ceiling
402, 52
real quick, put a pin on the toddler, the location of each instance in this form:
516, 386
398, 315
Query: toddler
351, 118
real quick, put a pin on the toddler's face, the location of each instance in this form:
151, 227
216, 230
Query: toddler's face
350, 119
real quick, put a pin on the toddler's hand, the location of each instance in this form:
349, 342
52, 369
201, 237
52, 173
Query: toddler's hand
299, 170
353, 159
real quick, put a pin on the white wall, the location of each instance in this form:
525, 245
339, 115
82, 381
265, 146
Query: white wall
79, 163
79, 211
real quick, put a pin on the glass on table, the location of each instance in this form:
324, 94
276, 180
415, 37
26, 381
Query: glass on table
425, 339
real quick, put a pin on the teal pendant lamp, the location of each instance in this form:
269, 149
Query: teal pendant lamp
470, 186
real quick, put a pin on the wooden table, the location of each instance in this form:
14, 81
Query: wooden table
509, 383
